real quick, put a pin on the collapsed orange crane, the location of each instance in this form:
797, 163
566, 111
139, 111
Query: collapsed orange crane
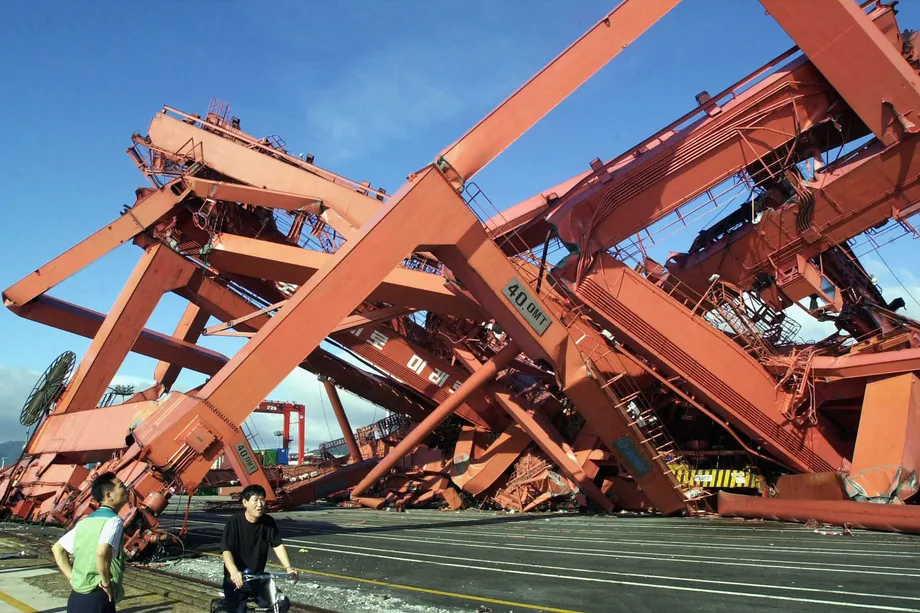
587, 349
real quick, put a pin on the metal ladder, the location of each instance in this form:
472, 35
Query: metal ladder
644, 418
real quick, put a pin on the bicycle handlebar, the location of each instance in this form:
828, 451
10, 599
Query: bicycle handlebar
254, 577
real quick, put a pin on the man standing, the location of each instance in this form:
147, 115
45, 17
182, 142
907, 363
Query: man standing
244, 546
98, 557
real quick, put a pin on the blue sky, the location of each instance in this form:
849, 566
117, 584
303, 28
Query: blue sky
373, 89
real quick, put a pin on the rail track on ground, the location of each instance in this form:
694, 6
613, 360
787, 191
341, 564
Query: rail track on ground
181, 588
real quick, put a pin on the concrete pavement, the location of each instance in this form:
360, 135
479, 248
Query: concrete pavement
595, 564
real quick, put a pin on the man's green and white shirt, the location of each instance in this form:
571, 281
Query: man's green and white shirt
104, 526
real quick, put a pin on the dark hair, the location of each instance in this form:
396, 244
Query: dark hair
252, 490
103, 484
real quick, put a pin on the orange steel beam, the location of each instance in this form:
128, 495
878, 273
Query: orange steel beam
248, 472
486, 372
337, 408
221, 303
233, 323
246, 194
635, 190
857, 59
349, 323
655, 325
863, 515
276, 262
188, 330
135, 220
861, 365
340, 479
553, 84
366, 318
463, 448
256, 168
155, 274
266, 147
62, 315
878, 184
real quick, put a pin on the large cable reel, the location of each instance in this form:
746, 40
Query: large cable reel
48, 389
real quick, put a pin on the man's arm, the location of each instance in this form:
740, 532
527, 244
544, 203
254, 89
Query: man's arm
236, 576
104, 568
62, 559
281, 552
61, 551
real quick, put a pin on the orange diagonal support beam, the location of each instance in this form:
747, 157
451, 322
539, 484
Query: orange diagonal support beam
158, 271
552, 85
249, 472
246, 194
858, 60
134, 221
330, 296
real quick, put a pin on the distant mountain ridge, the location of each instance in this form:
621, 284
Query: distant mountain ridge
11, 450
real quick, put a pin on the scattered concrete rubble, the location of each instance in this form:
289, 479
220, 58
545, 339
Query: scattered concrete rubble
359, 598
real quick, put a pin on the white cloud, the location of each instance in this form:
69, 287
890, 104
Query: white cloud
398, 92
15, 385
382, 98
138, 383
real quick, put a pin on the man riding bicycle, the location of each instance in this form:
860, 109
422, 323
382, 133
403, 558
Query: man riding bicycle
245, 543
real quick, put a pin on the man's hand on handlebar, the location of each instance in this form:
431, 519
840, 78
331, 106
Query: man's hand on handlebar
292, 573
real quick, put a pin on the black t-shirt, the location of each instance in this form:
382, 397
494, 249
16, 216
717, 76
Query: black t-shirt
249, 542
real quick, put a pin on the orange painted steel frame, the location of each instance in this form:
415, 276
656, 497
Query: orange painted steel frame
287, 409
183, 434
427, 214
